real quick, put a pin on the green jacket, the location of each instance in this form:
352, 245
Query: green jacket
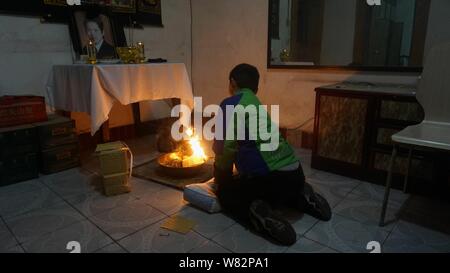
248, 156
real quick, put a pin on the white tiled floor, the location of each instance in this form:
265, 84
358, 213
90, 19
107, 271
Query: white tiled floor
45, 214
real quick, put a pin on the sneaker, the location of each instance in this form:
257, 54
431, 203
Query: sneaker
267, 222
316, 205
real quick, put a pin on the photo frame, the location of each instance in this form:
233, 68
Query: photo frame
54, 11
99, 28
149, 12
61, 3
123, 6
149, 6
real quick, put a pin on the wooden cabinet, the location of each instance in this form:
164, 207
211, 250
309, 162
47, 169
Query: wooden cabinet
353, 128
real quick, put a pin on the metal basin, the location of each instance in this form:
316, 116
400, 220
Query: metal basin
178, 172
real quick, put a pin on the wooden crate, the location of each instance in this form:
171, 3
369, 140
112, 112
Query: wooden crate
18, 110
60, 158
18, 140
18, 168
56, 131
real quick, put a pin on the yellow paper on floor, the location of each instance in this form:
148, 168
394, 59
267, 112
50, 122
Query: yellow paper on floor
179, 224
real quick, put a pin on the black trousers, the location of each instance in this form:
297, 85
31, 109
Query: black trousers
278, 188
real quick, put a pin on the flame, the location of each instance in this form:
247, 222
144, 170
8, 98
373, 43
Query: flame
197, 149
190, 132
197, 157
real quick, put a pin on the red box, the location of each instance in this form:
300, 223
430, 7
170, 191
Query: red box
18, 110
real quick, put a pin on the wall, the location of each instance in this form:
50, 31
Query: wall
28, 49
173, 42
439, 24
226, 33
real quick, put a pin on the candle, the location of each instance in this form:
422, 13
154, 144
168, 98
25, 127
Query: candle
141, 50
92, 53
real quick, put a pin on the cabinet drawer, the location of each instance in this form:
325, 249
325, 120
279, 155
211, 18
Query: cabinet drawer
384, 136
401, 110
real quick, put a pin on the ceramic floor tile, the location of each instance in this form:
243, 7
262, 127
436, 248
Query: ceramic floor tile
7, 239
29, 226
95, 203
398, 243
346, 235
73, 182
303, 224
208, 225
376, 192
61, 176
39, 218
112, 248
333, 191
169, 201
305, 245
419, 238
332, 178
88, 235
300, 221
141, 187
154, 239
14, 250
126, 219
209, 247
430, 213
140, 159
239, 240
367, 211
27, 186
20, 202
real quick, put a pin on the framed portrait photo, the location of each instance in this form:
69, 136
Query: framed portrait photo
97, 28
123, 6
149, 6
55, 2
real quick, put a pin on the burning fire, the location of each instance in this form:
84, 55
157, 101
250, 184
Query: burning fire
189, 154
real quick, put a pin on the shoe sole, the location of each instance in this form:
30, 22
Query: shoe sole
259, 222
